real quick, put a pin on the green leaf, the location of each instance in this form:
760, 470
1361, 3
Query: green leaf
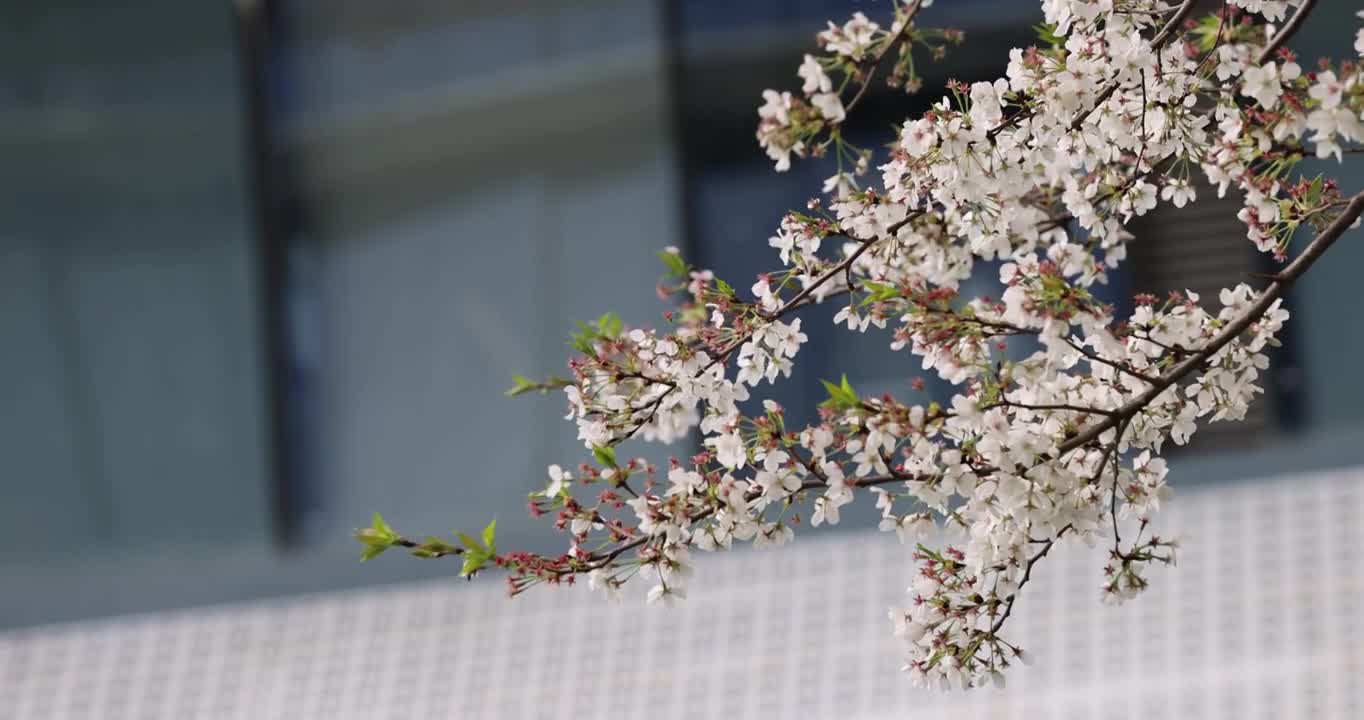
370, 536
489, 533
880, 292
725, 288
583, 339
376, 538
473, 547
520, 386
1046, 34
435, 547
609, 325
1313, 194
605, 455
380, 526
439, 545
676, 265
841, 396
1207, 30
849, 392
473, 562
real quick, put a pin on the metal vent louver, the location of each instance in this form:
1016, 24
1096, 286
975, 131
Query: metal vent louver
1203, 247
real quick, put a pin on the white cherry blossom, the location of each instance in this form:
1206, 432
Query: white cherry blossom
1059, 409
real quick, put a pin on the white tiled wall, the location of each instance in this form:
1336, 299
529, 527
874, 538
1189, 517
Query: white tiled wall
1258, 621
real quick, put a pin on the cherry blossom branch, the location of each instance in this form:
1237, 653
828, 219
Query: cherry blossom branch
1012, 458
1111, 452
1082, 409
870, 65
1222, 14
1162, 37
1166, 33
1283, 280
1047, 545
1289, 29
1120, 367
1195, 359
599, 560
798, 301
828, 275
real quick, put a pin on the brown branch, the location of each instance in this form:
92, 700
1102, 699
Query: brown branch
1289, 29
1037, 408
894, 477
1120, 367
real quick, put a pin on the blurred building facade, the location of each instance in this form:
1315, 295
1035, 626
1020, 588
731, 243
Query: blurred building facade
267, 268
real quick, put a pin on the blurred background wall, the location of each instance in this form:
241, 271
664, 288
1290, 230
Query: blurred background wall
266, 268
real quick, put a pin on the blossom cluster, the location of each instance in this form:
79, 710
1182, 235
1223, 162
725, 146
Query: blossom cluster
1061, 407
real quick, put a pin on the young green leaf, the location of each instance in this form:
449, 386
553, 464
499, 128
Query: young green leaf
520, 386
609, 325
372, 551
1206, 30
1046, 34
725, 288
471, 545
582, 341
473, 562
879, 292
1313, 194
435, 547
604, 455
676, 265
841, 396
489, 533
376, 538
382, 527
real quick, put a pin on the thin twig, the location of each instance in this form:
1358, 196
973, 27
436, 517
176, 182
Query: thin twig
1166, 33
1289, 29
1120, 367
870, 67
1027, 575
1112, 452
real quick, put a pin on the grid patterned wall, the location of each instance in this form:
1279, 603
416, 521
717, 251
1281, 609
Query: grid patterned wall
1259, 621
